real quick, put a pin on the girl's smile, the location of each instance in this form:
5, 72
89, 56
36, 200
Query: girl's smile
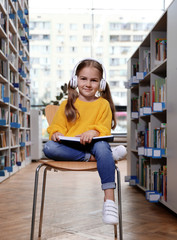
88, 83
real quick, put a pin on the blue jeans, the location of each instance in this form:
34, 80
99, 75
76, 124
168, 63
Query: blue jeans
77, 152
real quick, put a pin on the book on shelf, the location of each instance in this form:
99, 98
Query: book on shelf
13, 138
3, 161
135, 68
3, 142
145, 100
13, 158
146, 61
3, 45
95, 139
161, 48
22, 154
3, 68
160, 136
135, 104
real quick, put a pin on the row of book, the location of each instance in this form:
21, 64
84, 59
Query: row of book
13, 137
159, 94
155, 138
2, 90
159, 91
14, 159
152, 177
161, 55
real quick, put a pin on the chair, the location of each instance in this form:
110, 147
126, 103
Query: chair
48, 165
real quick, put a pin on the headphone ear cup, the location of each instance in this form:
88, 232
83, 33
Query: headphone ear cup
102, 84
73, 82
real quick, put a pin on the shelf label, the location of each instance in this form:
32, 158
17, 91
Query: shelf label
148, 152
141, 151
134, 79
157, 153
147, 110
158, 106
141, 111
153, 196
134, 114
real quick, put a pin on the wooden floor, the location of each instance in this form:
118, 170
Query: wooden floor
73, 209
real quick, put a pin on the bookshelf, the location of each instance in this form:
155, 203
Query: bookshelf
15, 129
152, 113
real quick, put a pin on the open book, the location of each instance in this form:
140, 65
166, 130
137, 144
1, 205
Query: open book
109, 138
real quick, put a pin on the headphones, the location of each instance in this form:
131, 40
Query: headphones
73, 81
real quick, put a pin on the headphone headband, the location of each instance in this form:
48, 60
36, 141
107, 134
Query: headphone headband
73, 81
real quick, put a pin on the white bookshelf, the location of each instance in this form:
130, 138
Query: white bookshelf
15, 127
145, 158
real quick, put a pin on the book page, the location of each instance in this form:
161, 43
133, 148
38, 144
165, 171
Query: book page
77, 139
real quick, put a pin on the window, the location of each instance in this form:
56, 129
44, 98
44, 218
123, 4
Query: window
123, 72
117, 61
114, 83
34, 60
99, 51
114, 73
114, 50
87, 50
60, 38
60, 74
137, 38
60, 49
60, 27
115, 26
73, 26
46, 37
45, 61
87, 38
87, 26
125, 38
73, 49
125, 26
114, 38
73, 38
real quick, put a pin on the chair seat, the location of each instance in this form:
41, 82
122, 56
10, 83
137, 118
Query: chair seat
70, 165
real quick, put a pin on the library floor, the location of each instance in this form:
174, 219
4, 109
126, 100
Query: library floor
73, 209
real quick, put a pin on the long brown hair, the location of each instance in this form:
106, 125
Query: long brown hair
70, 110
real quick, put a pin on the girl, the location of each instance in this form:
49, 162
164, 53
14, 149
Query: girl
87, 113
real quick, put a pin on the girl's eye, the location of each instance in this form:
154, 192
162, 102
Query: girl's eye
83, 78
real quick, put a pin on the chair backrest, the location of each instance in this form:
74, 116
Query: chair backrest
50, 111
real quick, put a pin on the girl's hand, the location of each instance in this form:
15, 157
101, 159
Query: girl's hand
87, 137
55, 137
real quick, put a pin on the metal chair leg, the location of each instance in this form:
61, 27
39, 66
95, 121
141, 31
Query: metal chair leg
119, 203
35, 201
42, 200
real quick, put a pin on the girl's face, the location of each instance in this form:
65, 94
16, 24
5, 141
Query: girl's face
88, 82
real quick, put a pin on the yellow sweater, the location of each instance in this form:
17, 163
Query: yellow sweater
94, 115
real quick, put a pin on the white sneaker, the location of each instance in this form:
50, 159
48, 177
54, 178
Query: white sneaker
110, 212
119, 152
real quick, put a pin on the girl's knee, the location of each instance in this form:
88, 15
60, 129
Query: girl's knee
101, 147
49, 147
